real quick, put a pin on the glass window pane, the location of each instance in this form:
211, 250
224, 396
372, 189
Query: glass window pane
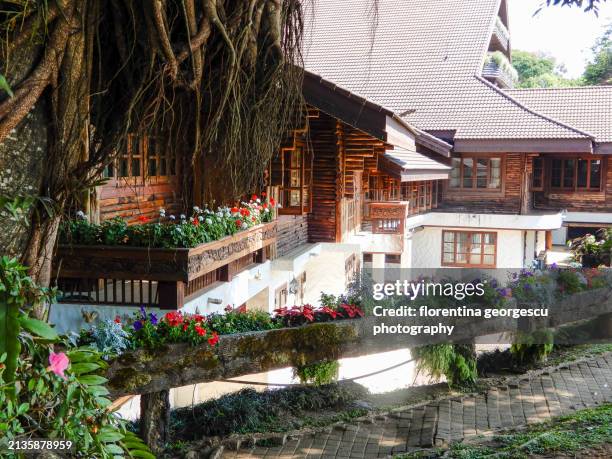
555, 179
489, 238
489, 249
295, 178
595, 174
495, 177
482, 165
455, 175
449, 257
123, 167
461, 258
135, 167
468, 165
568, 173
538, 171
582, 174
449, 237
488, 259
449, 247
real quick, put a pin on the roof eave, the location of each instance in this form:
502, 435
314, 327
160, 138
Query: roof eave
577, 145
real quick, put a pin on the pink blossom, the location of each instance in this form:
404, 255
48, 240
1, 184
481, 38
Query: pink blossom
58, 363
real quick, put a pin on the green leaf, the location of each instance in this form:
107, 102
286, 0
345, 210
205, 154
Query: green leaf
82, 368
103, 402
23, 409
92, 380
142, 454
38, 328
109, 435
114, 449
5, 86
98, 391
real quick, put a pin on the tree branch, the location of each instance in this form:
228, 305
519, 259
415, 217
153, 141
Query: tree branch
162, 30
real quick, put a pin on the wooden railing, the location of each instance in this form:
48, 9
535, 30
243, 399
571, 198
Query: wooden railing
388, 217
350, 215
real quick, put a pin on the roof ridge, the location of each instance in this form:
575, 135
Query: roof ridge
533, 112
565, 88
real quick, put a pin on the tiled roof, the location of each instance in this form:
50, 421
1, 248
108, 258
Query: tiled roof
422, 60
588, 108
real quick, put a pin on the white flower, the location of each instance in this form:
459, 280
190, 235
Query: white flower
196, 209
258, 201
220, 214
245, 226
172, 217
208, 221
266, 210
200, 219
183, 217
80, 214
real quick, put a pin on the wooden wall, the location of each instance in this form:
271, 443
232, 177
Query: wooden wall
131, 200
326, 172
481, 201
361, 153
589, 201
292, 231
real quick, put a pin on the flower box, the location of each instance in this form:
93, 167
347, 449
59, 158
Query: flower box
168, 267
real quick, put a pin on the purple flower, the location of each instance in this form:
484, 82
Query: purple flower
153, 318
137, 325
554, 266
493, 283
143, 312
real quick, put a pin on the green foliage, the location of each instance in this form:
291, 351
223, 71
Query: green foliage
503, 63
599, 70
110, 338
4, 86
456, 362
596, 248
268, 411
571, 281
204, 225
237, 321
531, 348
43, 401
319, 373
537, 70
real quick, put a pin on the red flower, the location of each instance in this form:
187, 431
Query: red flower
253, 219
214, 339
242, 308
117, 319
185, 327
174, 319
228, 308
238, 223
245, 212
254, 197
143, 219
265, 205
272, 202
196, 222
352, 310
234, 210
199, 330
264, 194
198, 318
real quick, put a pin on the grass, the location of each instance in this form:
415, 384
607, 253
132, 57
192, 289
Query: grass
567, 435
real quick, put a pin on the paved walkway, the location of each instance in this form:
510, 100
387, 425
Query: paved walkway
570, 388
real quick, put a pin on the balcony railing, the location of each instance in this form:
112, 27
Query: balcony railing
161, 278
351, 215
501, 34
388, 217
499, 70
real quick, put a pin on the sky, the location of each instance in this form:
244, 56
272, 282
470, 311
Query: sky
566, 33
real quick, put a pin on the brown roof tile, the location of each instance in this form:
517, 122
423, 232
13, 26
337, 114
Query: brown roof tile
588, 108
422, 60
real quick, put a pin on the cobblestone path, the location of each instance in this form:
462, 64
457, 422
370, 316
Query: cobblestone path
569, 388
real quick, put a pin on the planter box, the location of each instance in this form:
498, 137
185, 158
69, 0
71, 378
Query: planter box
116, 262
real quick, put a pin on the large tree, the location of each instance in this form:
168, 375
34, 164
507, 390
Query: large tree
539, 70
215, 78
599, 70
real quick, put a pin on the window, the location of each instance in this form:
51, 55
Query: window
462, 248
476, 173
573, 174
537, 174
295, 182
142, 158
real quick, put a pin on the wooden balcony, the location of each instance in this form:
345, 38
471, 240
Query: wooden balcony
156, 277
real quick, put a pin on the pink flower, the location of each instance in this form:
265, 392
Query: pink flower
58, 363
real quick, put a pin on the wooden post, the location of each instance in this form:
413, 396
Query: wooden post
549, 240
155, 419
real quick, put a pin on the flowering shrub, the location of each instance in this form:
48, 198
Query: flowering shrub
300, 315
239, 320
593, 250
168, 231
